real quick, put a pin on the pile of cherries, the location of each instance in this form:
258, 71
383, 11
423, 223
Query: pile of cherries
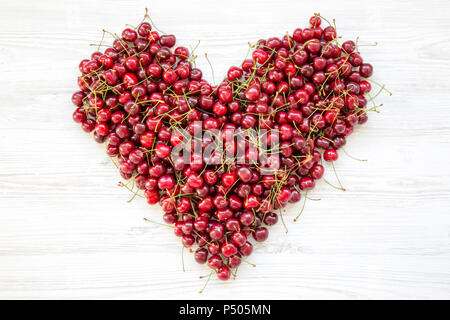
305, 87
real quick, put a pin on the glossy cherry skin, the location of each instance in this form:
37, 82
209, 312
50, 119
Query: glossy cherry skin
228, 249
330, 155
166, 182
246, 249
260, 234
223, 273
216, 231
239, 238
201, 255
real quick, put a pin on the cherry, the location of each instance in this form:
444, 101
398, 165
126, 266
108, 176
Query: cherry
286, 131
223, 214
88, 125
252, 93
206, 204
216, 231
228, 249
129, 35
246, 249
329, 33
235, 203
244, 174
144, 29
348, 46
220, 109
166, 182
247, 218
201, 255
202, 239
152, 196
304, 90
169, 218
239, 238
129, 79
210, 177
284, 194
229, 179
234, 73
136, 155
223, 273
330, 155
271, 218
213, 248
234, 261
315, 21
316, 171
79, 115
251, 202
187, 240
147, 139
260, 234
215, 262
157, 170
167, 40
169, 76
248, 121
260, 56
182, 53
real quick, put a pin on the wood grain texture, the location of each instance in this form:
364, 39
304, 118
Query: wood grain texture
67, 231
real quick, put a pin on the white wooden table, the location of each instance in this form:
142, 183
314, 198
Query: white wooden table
67, 231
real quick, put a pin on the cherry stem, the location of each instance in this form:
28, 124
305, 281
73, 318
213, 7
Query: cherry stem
303, 207
282, 221
161, 224
182, 258
151, 21
337, 177
352, 157
206, 283
212, 69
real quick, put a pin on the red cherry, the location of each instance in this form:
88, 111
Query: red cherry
223, 273
252, 93
260, 56
216, 231
201, 255
229, 179
246, 249
166, 182
306, 183
147, 139
228, 249
129, 79
316, 171
330, 155
260, 234
239, 238
152, 196
251, 202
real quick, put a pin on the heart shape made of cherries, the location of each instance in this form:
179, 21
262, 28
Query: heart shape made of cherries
302, 94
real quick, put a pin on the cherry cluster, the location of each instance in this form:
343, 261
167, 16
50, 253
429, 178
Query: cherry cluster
306, 88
